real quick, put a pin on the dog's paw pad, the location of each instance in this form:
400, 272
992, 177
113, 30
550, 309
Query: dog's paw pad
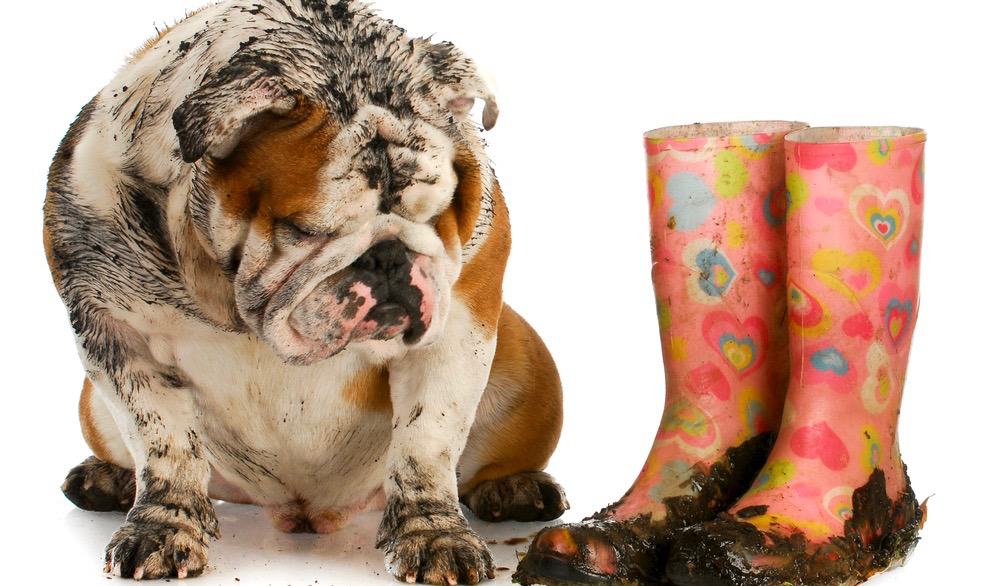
526, 496
441, 557
95, 485
152, 551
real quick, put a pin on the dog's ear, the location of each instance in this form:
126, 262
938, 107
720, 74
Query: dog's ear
214, 118
459, 82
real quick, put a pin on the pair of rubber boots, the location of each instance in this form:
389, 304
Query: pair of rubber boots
785, 265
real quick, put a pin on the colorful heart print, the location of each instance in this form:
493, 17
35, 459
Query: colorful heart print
880, 383
839, 502
897, 313
715, 272
796, 192
852, 275
806, 312
828, 365
776, 207
692, 201
913, 250
754, 146
767, 271
871, 454
656, 188
830, 206
740, 344
859, 326
774, 475
664, 483
757, 413
884, 216
917, 183
707, 379
819, 442
879, 151
731, 174
689, 427
829, 360
838, 157
711, 272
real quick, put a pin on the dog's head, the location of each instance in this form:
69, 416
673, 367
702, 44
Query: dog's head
332, 162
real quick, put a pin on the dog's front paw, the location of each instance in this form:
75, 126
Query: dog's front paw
430, 542
143, 550
440, 557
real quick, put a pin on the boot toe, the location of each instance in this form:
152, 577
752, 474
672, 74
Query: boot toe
568, 553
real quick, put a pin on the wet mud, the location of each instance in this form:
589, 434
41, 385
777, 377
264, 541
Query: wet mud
603, 551
732, 552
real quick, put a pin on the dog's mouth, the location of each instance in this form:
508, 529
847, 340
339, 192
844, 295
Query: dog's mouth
386, 293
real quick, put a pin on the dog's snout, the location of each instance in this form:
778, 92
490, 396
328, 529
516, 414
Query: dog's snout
383, 257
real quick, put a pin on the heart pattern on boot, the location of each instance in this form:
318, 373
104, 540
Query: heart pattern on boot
852, 275
820, 442
883, 215
741, 345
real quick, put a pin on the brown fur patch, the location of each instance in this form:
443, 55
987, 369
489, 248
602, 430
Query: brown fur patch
274, 173
447, 230
480, 285
91, 433
369, 390
468, 195
525, 380
50, 248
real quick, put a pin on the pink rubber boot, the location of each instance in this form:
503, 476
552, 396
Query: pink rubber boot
833, 504
717, 209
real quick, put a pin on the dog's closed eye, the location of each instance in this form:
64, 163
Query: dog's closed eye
296, 231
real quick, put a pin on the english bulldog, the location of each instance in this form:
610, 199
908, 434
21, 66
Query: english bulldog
281, 245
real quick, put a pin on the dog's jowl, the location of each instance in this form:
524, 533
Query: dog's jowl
281, 246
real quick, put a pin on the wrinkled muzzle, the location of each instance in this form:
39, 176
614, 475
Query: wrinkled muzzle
386, 293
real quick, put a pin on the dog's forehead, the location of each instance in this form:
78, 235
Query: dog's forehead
348, 57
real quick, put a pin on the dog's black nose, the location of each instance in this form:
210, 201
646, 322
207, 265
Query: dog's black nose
383, 257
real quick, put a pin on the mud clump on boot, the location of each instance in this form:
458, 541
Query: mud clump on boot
721, 484
604, 551
879, 534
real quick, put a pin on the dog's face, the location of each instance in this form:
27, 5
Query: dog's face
337, 225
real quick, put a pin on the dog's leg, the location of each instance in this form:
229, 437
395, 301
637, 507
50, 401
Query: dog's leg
166, 531
516, 430
435, 391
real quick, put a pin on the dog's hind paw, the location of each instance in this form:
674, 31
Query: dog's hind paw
96, 485
525, 496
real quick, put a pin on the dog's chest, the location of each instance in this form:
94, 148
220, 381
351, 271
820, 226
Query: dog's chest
284, 433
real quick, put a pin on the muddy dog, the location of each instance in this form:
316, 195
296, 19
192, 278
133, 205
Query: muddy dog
281, 245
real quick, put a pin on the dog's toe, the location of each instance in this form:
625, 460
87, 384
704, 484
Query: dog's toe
526, 496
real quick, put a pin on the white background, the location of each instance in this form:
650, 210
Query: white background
578, 84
